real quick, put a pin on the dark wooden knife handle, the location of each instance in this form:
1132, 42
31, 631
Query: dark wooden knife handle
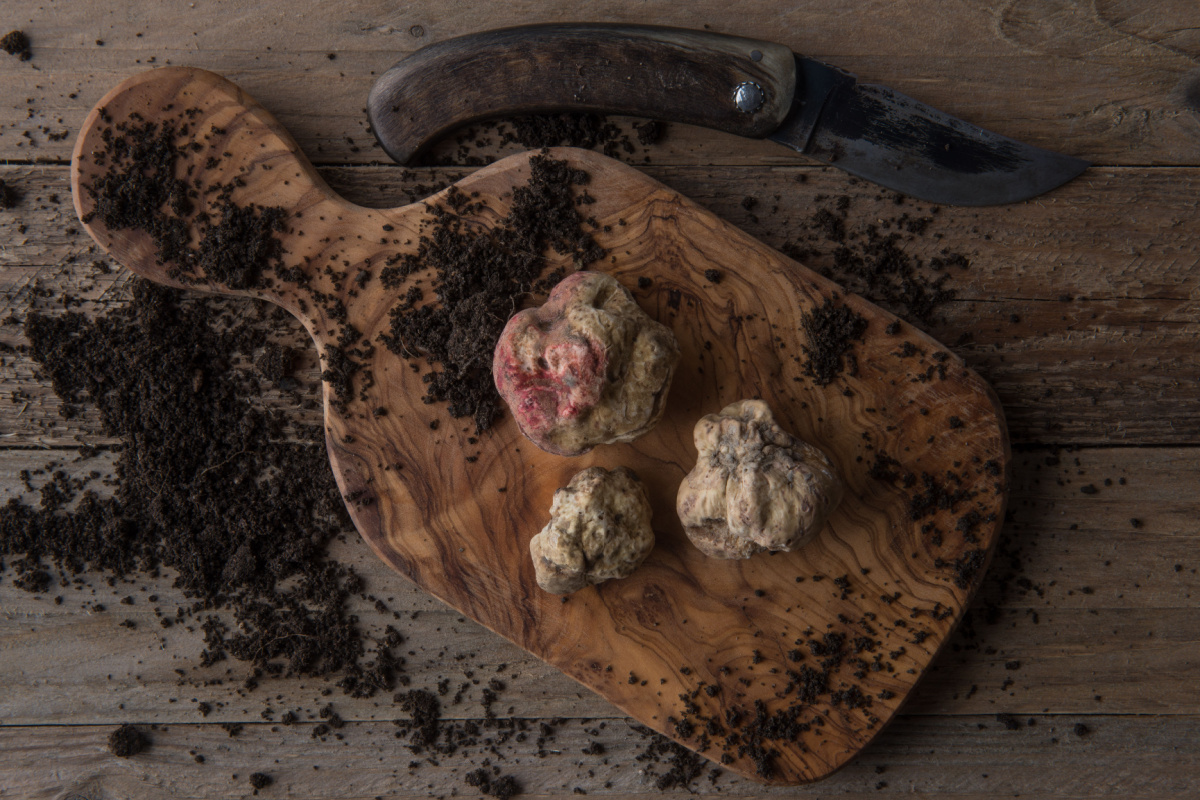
638, 70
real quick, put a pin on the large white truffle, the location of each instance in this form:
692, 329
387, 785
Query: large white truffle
589, 367
755, 487
599, 530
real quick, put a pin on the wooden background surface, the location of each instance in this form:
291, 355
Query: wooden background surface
1083, 309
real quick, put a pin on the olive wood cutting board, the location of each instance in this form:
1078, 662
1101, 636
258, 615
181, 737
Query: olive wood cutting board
782, 666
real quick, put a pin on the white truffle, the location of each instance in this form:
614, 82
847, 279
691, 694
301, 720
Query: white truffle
755, 487
589, 367
599, 530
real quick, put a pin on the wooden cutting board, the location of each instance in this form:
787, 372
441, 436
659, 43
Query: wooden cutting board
782, 666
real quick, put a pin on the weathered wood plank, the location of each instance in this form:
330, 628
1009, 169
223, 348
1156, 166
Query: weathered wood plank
947, 758
75, 665
1061, 64
1104, 612
1080, 308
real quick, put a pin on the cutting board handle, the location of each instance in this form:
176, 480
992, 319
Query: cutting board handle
241, 145
736, 85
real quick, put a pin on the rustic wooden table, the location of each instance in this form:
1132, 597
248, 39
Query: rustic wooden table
1081, 309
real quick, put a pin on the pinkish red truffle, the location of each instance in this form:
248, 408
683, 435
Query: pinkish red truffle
588, 367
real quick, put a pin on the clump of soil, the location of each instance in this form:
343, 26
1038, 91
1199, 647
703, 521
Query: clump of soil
260, 780
492, 784
127, 741
481, 277
208, 486
16, 43
276, 362
9, 196
831, 331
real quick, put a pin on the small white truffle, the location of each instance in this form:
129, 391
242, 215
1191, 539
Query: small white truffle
755, 487
599, 530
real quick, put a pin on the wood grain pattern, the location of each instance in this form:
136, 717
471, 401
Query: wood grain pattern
460, 529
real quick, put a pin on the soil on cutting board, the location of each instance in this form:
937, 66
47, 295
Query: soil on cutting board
481, 278
143, 189
831, 331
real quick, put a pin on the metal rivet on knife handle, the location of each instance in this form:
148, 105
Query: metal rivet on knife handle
749, 97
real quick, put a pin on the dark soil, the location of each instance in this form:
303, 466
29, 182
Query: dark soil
260, 780
142, 189
127, 741
684, 766
9, 197
492, 784
16, 43
276, 362
159, 372
565, 129
832, 331
481, 279
870, 258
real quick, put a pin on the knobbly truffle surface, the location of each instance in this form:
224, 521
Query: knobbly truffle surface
755, 487
588, 367
599, 530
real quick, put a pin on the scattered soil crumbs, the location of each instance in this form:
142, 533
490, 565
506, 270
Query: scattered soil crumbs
481, 278
869, 258
567, 129
159, 372
276, 362
831, 331
127, 741
16, 43
536, 131
684, 766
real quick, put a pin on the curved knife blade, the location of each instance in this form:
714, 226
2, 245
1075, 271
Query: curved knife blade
889, 138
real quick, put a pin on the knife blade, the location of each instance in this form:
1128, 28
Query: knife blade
741, 86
